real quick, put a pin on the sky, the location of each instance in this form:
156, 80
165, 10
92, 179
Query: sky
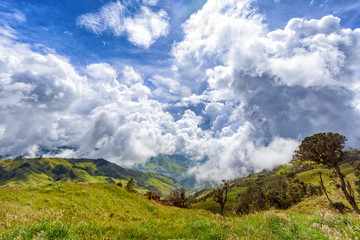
233, 85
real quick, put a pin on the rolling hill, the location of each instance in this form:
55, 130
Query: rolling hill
48, 170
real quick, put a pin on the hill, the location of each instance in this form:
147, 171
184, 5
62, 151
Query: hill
105, 211
172, 166
308, 205
49, 170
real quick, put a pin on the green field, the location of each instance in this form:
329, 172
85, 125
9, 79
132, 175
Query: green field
105, 211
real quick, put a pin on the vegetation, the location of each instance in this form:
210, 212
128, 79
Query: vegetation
29, 172
280, 193
178, 198
131, 184
105, 211
172, 166
272, 181
220, 195
87, 200
327, 149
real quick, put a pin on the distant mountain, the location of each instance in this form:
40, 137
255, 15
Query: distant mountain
46, 170
172, 166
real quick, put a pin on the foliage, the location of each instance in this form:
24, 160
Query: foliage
131, 184
280, 193
152, 195
327, 149
356, 166
220, 195
322, 148
178, 198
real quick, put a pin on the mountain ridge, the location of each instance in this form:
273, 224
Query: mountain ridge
30, 171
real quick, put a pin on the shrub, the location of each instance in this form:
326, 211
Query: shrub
339, 205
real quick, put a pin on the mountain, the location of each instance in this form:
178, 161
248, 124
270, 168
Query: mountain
172, 166
48, 170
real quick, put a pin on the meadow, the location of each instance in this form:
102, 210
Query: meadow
106, 211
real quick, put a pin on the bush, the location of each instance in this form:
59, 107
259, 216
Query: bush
178, 198
339, 205
280, 193
313, 190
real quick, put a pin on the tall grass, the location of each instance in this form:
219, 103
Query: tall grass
103, 211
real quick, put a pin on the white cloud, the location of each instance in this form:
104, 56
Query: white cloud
109, 18
47, 104
151, 2
167, 88
283, 84
101, 71
244, 96
142, 29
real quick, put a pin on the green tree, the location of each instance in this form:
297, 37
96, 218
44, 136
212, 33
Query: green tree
131, 184
327, 149
220, 195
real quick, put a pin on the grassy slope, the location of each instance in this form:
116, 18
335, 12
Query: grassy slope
104, 211
42, 171
308, 206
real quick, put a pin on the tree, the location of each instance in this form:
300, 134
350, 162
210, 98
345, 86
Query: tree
220, 195
327, 149
131, 184
178, 198
152, 195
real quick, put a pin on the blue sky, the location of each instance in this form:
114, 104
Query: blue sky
239, 83
53, 23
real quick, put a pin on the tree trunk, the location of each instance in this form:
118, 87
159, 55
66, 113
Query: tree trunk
222, 209
348, 197
323, 187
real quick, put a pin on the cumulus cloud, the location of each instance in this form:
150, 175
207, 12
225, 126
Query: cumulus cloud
240, 100
47, 104
283, 84
167, 88
142, 28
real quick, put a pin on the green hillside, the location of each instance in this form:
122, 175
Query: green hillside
308, 205
105, 211
48, 170
172, 166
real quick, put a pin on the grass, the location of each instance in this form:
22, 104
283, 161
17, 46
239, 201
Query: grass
104, 211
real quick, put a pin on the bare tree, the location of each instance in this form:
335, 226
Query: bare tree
220, 195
